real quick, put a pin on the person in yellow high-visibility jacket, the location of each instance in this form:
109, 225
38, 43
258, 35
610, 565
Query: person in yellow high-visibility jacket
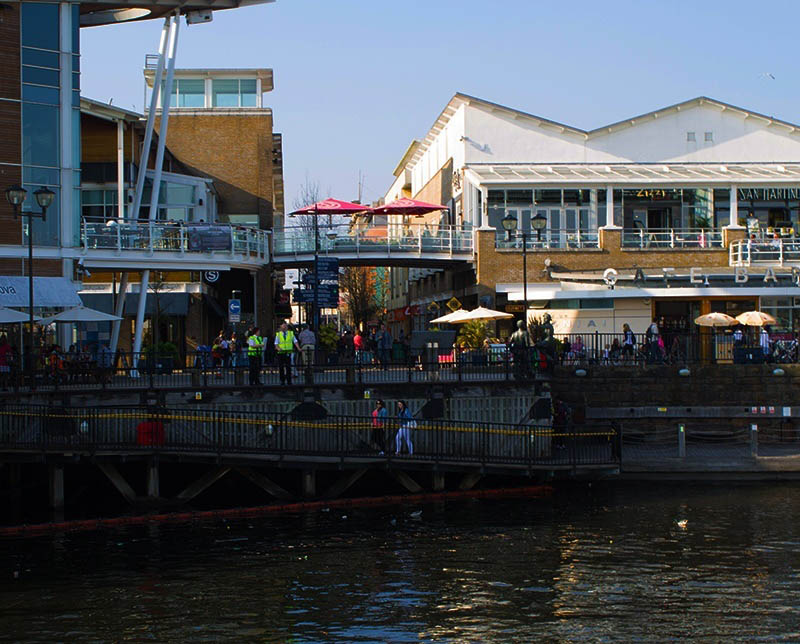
255, 347
285, 343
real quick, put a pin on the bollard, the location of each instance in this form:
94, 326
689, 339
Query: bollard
753, 439
681, 440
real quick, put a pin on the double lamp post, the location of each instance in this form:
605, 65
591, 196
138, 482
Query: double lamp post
15, 195
538, 223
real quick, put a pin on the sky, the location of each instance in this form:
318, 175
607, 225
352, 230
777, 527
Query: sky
357, 80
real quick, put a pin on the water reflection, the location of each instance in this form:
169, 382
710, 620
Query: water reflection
613, 563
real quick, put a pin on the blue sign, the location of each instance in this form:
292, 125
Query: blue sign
234, 310
327, 268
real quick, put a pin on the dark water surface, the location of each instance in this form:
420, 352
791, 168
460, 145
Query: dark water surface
607, 563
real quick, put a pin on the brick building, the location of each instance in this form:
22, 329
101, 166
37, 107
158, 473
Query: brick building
685, 210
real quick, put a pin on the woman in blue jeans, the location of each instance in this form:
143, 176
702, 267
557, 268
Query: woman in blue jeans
406, 424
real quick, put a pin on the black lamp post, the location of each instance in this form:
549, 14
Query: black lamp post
15, 195
538, 223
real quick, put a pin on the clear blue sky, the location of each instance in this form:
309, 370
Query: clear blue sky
356, 81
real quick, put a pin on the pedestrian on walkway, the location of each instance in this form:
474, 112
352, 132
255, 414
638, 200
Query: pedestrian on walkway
407, 423
308, 344
384, 346
285, 343
379, 416
255, 345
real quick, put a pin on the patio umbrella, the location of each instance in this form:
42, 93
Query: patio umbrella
407, 207
450, 318
482, 313
755, 318
331, 207
10, 316
715, 319
80, 314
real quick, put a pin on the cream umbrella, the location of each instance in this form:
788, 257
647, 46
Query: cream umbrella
80, 314
450, 318
10, 316
715, 319
482, 313
755, 318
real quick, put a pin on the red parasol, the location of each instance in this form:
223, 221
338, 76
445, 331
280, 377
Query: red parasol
331, 207
407, 207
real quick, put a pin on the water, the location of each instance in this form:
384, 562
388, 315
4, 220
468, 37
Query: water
601, 563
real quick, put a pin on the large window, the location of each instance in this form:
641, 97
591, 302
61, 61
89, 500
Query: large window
40, 25
99, 204
188, 92
40, 135
234, 92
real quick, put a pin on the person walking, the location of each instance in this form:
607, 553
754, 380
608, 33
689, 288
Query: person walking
384, 346
358, 346
628, 343
407, 423
308, 345
255, 346
379, 417
285, 343
654, 339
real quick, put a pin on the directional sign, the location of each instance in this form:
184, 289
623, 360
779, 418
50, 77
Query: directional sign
327, 268
327, 296
234, 310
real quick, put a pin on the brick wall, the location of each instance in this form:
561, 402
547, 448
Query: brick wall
10, 119
41, 267
233, 149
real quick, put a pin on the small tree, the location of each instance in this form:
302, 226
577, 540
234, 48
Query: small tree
359, 293
472, 334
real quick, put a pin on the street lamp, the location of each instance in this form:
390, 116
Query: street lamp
538, 223
15, 195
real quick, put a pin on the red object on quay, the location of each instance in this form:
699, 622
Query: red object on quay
150, 432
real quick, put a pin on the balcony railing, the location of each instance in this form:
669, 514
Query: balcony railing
775, 252
414, 239
156, 236
671, 238
552, 239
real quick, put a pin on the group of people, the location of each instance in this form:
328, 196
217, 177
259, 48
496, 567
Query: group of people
405, 425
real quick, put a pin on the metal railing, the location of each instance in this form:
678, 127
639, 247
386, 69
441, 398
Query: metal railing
180, 237
412, 239
773, 252
673, 348
203, 370
551, 239
671, 238
221, 432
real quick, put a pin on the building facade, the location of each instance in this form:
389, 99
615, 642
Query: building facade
685, 210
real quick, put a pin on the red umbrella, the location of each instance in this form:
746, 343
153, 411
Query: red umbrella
407, 207
331, 207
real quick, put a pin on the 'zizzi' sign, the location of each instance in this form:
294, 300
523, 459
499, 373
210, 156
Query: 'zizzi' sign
697, 276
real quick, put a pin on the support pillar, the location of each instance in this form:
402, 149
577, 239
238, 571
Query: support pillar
308, 484
438, 481
733, 222
343, 484
469, 481
610, 222
265, 484
120, 308
203, 483
153, 486
407, 482
56, 473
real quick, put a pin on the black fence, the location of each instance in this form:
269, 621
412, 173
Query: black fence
676, 348
206, 432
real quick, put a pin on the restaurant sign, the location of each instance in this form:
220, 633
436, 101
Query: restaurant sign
697, 275
208, 237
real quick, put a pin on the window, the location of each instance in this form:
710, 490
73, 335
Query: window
99, 205
690, 136
40, 25
40, 135
709, 136
188, 92
234, 92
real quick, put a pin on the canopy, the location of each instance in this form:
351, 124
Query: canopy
80, 314
482, 313
755, 318
715, 319
407, 207
10, 316
331, 207
48, 292
450, 318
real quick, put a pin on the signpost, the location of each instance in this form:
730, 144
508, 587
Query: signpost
234, 311
322, 281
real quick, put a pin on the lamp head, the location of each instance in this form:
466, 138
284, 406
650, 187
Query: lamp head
509, 222
15, 195
331, 234
44, 197
539, 222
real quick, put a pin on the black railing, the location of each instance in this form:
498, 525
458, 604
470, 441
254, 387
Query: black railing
221, 432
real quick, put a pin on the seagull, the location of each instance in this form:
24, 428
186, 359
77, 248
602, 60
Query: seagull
768, 75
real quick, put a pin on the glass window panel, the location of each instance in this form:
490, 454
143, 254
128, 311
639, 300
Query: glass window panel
597, 303
40, 76
76, 63
39, 58
40, 25
76, 139
519, 197
192, 92
45, 233
40, 176
39, 135
225, 93
247, 89
570, 219
547, 196
496, 198
179, 193
76, 98
76, 81
36, 94
91, 197
76, 29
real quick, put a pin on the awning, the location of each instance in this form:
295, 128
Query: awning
48, 292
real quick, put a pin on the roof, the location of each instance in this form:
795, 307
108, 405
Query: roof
263, 73
108, 111
460, 99
637, 173
406, 156
107, 12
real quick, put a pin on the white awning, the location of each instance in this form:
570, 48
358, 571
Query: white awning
638, 174
48, 292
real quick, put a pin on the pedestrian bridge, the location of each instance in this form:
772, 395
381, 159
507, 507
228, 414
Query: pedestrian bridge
415, 245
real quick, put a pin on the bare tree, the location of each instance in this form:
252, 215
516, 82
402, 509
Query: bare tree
358, 286
308, 193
